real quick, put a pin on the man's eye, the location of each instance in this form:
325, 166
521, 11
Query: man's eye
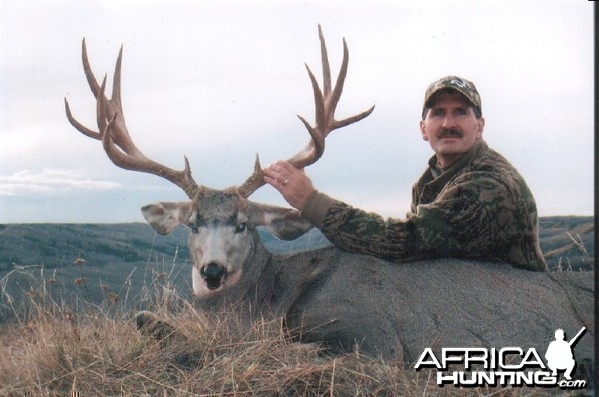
194, 228
241, 227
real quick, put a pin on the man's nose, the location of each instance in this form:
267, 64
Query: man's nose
449, 121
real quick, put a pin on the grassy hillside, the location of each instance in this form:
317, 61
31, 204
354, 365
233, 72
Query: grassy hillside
568, 242
57, 245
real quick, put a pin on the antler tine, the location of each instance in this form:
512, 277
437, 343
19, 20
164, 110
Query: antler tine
254, 182
113, 133
89, 75
326, 69
325, 103
80, 127
116, 80
107, 109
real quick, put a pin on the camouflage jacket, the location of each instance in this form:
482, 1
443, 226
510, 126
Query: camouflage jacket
478, 208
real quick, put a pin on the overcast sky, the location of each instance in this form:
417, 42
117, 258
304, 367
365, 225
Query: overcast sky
220, 81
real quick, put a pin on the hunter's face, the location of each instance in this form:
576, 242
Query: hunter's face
451, 127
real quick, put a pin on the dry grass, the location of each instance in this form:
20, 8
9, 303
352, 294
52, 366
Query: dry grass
54, 350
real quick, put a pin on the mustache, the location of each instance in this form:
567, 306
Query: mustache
450, 133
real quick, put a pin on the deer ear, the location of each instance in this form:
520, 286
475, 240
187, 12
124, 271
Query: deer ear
283, 223
164, 217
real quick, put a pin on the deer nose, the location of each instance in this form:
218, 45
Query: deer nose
213, 274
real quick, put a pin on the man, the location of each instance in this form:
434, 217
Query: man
559, 355
469, 203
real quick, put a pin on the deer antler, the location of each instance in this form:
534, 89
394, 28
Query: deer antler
113, 133
325, 102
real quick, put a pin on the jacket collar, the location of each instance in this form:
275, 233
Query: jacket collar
431, 181
477, 148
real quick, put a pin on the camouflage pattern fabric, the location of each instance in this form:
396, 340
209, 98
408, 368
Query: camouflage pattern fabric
478, 208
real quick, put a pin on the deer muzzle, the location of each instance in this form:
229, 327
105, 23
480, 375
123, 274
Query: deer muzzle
213, 275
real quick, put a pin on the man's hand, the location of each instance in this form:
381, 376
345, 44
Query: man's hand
293, 184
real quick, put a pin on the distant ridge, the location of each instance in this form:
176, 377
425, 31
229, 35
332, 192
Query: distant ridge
566, 241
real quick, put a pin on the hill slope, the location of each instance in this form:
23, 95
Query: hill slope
127, 261
567, 240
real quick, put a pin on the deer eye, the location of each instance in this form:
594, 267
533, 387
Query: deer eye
241, 227
194, 228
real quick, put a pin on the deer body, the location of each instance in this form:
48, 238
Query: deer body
395, 310
343, 300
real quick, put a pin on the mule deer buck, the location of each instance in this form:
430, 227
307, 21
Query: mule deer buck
340, 299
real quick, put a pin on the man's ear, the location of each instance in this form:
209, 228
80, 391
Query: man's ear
283, 223
164, 217
481, 127
423, 130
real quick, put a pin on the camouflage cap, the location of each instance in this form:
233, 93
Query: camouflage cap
458, 84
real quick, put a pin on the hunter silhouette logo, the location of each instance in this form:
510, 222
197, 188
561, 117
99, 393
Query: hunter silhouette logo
507, 366
559, 354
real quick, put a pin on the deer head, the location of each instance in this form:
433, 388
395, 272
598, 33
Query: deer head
223, 238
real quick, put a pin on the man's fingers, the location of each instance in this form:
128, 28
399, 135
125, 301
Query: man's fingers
268, 172
279, 173
274, 183
284, 165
